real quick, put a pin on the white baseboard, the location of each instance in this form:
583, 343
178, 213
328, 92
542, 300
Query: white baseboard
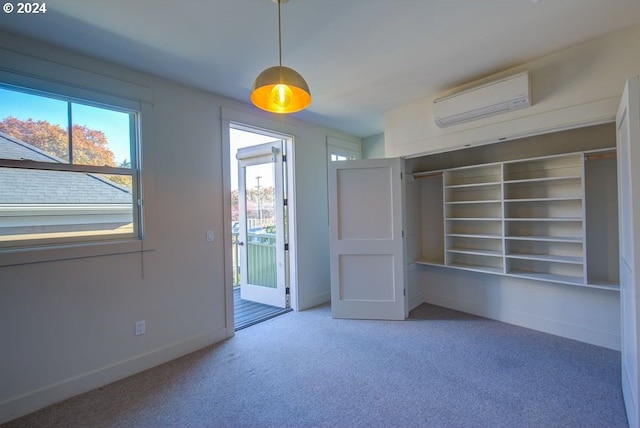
555, 327
414, 302
316, 300
50, 394
414, 289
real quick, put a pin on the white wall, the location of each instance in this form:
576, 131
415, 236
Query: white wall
576, 86
373, 147
68, 326
579, 313
571, 88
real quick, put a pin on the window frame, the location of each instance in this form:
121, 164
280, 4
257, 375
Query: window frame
133, 171
87, 88
342, 148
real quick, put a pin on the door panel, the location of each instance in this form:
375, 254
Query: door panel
380, 270
367, 248
372, 185
261, 226
628, 145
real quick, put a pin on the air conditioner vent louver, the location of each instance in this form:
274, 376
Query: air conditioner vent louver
510, 93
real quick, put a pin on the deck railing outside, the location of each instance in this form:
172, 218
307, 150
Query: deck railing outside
261, 255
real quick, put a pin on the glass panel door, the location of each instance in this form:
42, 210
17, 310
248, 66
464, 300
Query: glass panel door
261, 233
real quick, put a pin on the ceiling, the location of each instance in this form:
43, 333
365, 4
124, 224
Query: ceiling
359, 57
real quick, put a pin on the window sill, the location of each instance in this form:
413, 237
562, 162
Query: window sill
53, 253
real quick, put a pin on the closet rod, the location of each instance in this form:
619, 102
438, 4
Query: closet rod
599, 156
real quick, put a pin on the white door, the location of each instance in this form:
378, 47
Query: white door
367, 254
261, 234
628, 141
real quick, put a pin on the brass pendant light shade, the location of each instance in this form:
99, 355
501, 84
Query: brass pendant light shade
280, 89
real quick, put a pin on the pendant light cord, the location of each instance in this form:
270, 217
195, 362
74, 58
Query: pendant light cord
279, 35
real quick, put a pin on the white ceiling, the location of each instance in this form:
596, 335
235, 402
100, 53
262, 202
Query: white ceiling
359, 57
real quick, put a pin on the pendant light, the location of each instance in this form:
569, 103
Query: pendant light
280, 89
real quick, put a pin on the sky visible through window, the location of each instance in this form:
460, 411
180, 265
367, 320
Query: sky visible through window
114, 124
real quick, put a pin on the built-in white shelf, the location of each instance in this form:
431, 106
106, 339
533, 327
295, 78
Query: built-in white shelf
547, 258
479, 236
579, 219
474, 218
462, 186
537, 180
524, 218
426, 262
490, 201
475, 268
565, 279
542, 199
546, 238
489, 253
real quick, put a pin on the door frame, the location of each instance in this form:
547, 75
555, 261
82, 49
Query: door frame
248, 122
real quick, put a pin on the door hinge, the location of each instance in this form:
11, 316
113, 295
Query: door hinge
404, 291
403, 233
287, 291
285, 202
286, 247
284, 158
400, 176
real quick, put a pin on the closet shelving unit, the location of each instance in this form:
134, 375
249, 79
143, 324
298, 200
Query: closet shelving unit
544, 218
523, 218
473, 218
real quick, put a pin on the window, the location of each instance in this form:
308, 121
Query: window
337, 157
342, 150
68, 170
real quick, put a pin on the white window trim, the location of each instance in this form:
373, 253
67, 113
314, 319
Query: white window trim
340, 147
49, 77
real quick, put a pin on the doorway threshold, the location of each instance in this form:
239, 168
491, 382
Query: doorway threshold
249, 313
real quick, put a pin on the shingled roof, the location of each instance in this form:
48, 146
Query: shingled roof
18, 186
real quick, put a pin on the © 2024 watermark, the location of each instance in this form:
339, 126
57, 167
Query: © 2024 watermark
24, 8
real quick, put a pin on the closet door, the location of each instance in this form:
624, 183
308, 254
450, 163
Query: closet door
367, 249
628, 142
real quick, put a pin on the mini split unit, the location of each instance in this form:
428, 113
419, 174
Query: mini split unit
489, 99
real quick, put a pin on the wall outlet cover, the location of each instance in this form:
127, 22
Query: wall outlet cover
140, 328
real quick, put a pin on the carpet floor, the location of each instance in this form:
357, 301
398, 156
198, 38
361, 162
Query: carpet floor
440, 368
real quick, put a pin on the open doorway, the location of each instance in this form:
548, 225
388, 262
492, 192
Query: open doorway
258, 224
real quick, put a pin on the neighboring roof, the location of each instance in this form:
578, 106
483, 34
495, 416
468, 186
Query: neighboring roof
52, 187
12, 148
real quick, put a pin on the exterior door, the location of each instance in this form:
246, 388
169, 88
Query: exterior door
628, 142
261, 235
367, 248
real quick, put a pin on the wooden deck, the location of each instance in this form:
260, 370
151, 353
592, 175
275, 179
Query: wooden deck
249, 313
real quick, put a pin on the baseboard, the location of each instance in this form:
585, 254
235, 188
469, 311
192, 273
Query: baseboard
414, 302
555, 327
414, 290
314, 301
43, 397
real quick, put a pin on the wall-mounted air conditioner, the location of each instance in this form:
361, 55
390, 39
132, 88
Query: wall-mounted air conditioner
500, 96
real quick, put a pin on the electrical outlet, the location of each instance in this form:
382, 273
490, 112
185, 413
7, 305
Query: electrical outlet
209, 235
140, 327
